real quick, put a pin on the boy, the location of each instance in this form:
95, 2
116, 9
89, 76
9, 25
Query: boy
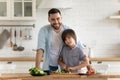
72, 57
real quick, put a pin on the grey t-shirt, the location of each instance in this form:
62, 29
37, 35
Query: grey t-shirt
72, 56
56, 42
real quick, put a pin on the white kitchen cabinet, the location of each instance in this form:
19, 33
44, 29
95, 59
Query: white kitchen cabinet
23, 9
18, 9
23, 66
20, 66
4, 9
113, 66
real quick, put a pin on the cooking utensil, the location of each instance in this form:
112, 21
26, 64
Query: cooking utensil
4, 37
28, 34
11, 43
20, 48
15, 45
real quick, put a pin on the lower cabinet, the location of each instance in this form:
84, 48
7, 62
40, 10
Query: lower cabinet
23, 66
114, 79
113, 66
16, 66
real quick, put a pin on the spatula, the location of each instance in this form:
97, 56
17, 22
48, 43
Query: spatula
15, 45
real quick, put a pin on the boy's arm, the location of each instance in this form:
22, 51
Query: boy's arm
62, 65
84, 63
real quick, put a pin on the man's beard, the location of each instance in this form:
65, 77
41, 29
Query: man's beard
56, 27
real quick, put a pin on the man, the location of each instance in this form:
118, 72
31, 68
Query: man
50, 42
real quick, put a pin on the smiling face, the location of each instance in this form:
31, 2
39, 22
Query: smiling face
55, 21
69, 40
69, 37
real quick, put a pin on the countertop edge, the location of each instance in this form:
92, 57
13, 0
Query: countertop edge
106, 59
17, 58
60, 76
33, 59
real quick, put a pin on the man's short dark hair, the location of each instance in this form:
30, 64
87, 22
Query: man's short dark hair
53, 11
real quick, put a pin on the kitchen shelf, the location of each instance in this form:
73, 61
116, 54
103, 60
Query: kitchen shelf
115, 17
33, 25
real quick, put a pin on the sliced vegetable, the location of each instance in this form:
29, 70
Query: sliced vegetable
91, 72
36, 71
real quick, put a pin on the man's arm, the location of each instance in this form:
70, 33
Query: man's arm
39, 58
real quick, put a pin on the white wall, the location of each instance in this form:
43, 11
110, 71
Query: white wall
90, 19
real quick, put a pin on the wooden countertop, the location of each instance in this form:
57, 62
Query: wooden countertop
33, 59
17, 58
106, 59
27, 76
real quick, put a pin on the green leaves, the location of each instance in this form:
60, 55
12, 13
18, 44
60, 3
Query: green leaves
36, 72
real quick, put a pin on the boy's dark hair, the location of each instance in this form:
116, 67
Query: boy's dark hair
53, 11
68, 32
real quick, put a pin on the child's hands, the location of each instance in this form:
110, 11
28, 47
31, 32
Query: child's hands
89, 67
63, 66
71, 68
91, 70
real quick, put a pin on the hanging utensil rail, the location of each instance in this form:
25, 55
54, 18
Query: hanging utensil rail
18, 25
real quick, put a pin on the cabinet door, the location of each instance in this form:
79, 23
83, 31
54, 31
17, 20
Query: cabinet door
113, 66
23, 66
7, 67
24, 9
16, 66
4, 9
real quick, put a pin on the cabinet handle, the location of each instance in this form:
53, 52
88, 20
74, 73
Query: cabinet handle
99, 62
9, 62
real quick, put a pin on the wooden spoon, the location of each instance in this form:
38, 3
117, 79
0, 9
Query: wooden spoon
11, 43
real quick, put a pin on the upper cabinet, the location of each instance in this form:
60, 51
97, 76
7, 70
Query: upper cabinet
17, 9
4, 9
23, 9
